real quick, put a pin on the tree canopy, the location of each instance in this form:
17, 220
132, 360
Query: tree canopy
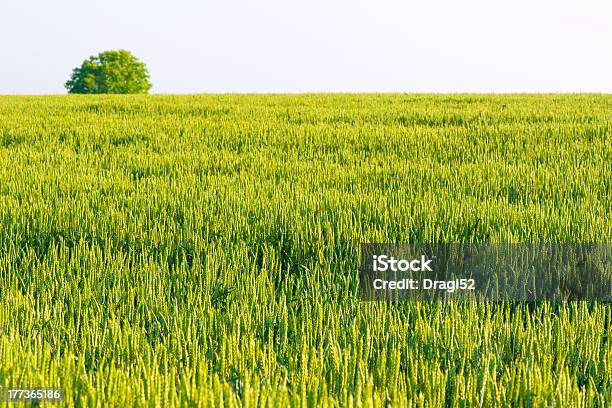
113, 72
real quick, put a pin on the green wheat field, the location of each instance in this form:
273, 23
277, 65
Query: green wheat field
204, 250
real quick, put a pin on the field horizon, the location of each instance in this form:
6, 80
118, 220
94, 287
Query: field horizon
316, 93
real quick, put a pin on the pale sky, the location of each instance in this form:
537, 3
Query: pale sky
275, 46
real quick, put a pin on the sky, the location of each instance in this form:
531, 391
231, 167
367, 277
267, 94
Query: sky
278, 46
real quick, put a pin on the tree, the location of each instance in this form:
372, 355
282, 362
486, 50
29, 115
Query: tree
115, 72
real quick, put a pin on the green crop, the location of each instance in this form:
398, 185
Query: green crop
204, 250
